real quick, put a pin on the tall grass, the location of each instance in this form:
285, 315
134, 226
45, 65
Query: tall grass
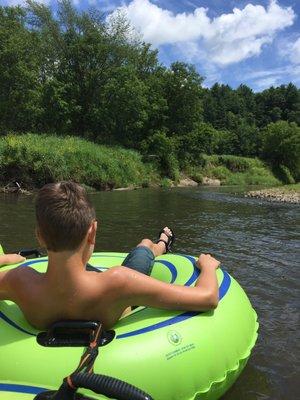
234, 170
34, 160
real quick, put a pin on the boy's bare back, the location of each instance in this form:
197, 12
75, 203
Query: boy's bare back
43, 301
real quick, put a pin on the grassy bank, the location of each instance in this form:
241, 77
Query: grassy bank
33, 160
234, 170
290, 188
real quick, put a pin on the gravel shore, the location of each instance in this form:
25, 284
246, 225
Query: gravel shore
277, 194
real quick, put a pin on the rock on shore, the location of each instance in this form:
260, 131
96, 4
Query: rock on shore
187, 182
276, 194
211, 182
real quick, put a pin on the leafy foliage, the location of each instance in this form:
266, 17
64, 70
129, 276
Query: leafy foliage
281, 146
78, 73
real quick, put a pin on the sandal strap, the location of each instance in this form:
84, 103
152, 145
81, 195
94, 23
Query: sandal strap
168, 243
165, 233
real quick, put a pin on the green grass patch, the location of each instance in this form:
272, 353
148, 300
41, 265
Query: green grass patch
233, 163
290, 188
234, 170
254, 176
34, 160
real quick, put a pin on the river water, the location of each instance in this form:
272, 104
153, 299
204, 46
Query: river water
256, 242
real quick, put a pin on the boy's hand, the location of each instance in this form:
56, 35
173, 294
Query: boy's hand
8, 259
207, 261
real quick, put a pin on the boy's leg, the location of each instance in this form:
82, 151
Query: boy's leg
141, 258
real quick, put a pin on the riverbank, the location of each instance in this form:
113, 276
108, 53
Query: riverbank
283, 194
29, 161
33, 160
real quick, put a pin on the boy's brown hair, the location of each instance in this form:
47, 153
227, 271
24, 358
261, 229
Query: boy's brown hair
64, 215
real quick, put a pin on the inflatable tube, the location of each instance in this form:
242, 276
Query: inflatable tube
170, 355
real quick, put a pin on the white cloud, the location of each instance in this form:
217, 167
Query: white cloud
226, 39
292, 51
263, 79
295, 53
265, 83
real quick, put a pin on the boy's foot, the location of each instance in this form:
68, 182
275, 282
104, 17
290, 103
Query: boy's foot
167, 237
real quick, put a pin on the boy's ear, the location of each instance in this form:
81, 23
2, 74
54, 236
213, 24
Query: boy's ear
91, 236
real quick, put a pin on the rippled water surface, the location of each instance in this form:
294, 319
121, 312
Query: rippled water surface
256, 242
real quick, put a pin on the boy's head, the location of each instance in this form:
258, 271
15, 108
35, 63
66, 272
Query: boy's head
64, 215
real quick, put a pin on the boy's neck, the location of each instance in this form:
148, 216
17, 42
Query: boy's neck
65, 262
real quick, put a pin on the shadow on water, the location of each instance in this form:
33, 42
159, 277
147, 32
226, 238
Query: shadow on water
256, 241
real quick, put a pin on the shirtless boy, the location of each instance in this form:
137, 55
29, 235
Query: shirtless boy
66, 226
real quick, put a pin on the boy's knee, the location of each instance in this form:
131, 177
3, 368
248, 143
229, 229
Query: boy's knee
146, 243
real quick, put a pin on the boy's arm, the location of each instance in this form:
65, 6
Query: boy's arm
8, 259
4, 285
139, 289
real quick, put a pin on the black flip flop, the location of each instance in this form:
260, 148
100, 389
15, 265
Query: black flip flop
168, 243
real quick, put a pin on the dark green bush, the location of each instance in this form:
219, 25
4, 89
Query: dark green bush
284, 174
161, 148
281, 146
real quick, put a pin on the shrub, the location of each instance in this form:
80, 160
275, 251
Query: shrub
195, 174
254, 176
163, 148
220, 172
284, 174
166, 183
281, 146
260, 176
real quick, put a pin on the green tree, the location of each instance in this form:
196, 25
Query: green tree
281, 146
100, 81
219, 101
204, 139
183, 92
162, 149
281, 103
248, 104
244, 137
19, 72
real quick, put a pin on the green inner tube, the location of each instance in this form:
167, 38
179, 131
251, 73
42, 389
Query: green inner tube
168, 354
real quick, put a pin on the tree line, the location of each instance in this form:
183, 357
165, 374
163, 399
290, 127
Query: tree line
79, 73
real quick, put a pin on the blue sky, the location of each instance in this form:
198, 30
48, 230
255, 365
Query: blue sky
255, 42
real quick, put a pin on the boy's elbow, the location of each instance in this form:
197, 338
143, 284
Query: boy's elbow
212, 301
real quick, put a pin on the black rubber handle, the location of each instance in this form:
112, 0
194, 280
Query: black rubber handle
73, 333
110, 387
29, 252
